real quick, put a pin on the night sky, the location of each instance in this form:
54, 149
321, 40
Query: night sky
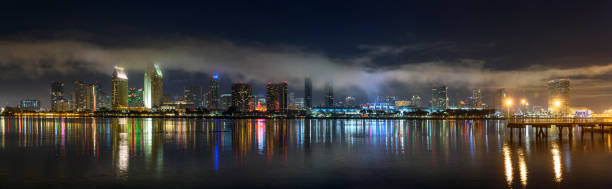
367, 48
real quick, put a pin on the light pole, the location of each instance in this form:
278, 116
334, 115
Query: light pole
508, 104
558, 110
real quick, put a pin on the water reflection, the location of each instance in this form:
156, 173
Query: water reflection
143, 148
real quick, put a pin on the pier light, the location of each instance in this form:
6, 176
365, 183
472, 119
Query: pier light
509, 102
523, 101
557, 103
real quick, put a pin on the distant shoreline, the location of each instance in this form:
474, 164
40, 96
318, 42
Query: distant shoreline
259, 117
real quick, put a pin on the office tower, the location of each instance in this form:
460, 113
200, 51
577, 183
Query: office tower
500, 97
329, 94
439, 98
308, 92
56, 94
100, 97
349, 101
136, 98
476, 98
194, 94
153, 86
559, 96
225, 101
299, 103
291, 99
78, 96
276, 97
416, 101
91, 97
119, 89
212, 96
29, 104
241, 96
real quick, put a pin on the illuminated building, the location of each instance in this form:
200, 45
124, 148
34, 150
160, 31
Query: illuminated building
299, 103
119, 89
29, 104
225, 102
500, 96
416, 101
276, 97
329, 94
193, 94
78, 97
153, 86
91, 97
476, 98
559, 96
212, 96
56, 94
349, 101
439, 98
241, 96
402, 103
308, 92
135, 98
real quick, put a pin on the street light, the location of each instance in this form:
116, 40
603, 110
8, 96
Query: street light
508, 104
523, 102
557, 104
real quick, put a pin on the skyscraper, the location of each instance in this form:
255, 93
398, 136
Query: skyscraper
153, 86
439, 98
559, 96
276, 97
78, 96
500, 96
308, 92
56, 94
349, 101
241, 96
91, 97
29, 104
119, 89
225, 101
194, 94
135, 98
476, 98
212, 96
329, 94
416, 101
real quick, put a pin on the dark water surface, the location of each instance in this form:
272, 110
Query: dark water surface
170, 153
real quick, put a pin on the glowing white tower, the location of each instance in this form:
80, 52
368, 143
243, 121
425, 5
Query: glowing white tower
153, 84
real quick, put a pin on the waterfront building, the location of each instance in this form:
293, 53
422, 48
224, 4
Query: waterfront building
416, 101
276, 97
308, 92
56, 94
476, 98
299, 103
91, 97
225, 102
559, 96
500, 97
349, 101
212, 96
193, 94
153, 86
329, 94
439, 98
29, 104
78, 96
241, 97
402, 103
119, 89
135, 98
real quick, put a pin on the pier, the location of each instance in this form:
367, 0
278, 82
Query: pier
543, 124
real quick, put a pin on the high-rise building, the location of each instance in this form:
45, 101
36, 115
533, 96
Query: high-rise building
100, 97
225, 101
276, 97
308, 92
29, 104
212, 96
349, 101
416, 101
119, 89
78, 96
91, 97
241, 96
153, 86
135, 98
194, 94
439, 98
56, 94
500, 96
329, 94
476, 98
559, 96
